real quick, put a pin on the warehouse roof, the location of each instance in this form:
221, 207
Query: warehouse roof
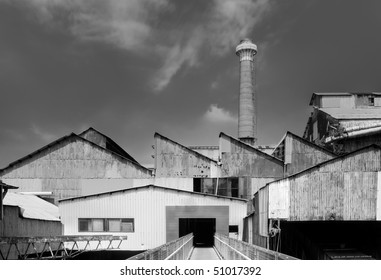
32, 207
350, 113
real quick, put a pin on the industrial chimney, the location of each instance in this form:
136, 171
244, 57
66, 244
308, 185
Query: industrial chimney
247, 120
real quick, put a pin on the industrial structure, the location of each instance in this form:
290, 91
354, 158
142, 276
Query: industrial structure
311, 197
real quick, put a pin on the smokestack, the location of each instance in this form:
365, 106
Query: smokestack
247, 120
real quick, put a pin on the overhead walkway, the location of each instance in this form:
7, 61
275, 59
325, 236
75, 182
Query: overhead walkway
224, 248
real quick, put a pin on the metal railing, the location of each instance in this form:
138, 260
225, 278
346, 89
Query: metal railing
233, 249
178, 249
57, 247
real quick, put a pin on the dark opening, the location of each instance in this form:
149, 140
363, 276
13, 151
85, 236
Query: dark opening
197, 184
203, 230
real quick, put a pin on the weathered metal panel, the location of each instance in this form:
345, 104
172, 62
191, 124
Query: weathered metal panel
378, 214
147, 207
263, 211
303, 155
175, 160
257, 183
279, 200
61, 168
341, 189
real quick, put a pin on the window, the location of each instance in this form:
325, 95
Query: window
106, 225
233, 228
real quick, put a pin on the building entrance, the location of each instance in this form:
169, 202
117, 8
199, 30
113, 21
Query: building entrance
203, 230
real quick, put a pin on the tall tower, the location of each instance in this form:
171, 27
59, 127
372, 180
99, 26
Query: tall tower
247, 120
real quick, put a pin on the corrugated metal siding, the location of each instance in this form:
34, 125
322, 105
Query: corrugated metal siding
378, 204
302, 155
60, 169
263, 198
174, 160
146, 206
343, 189
257, 183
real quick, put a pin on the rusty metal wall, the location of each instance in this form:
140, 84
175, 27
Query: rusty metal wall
147, 207
302, 155
61, 168
175, 160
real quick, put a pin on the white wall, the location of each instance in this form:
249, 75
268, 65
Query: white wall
147, 206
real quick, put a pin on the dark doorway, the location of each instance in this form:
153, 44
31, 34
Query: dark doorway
203, 230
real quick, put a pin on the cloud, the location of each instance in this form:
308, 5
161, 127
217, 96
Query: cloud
219, 115
45, 136
229, 21
134, 25
124, 24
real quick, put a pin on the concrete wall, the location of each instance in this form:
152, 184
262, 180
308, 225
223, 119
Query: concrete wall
147, 206
175, 160
62, 167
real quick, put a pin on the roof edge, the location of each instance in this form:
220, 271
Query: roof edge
251, 147
185, 147
152, 186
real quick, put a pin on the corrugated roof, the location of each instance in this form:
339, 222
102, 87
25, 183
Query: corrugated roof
154, 186
32, 207
348, 114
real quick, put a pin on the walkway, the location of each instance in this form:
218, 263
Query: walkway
204, 253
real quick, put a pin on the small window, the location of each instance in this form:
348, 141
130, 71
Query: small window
127, 225
371, 101
105, 225
84, 225
233, 228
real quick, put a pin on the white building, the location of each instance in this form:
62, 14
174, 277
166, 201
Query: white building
151, 215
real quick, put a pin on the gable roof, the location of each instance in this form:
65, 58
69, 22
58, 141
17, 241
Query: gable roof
305, 141
69, 137
253, 149
110, 144
185, 148
157, 187
370, 147
32, 207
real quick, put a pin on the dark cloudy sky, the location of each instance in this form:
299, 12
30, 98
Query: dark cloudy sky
135, 67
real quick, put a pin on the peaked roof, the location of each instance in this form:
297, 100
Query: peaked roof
32, 207
186, 148
71, 136
305, 141
249, 147
157, 187
110, 144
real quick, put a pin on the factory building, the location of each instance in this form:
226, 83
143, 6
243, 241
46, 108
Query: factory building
152, 215
344, 122
74, 166
329, 208
299, 154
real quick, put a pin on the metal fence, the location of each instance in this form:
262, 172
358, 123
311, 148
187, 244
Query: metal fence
178, 249
233, 249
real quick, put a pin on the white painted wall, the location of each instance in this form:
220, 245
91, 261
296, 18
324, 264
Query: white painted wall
279, 202
147, 206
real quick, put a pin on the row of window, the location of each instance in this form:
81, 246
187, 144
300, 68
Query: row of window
105, 225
